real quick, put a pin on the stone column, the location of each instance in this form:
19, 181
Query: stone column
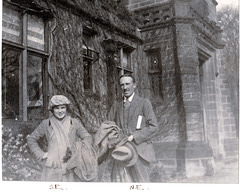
194, 155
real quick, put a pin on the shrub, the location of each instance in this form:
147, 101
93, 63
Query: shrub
158, 174
18, 164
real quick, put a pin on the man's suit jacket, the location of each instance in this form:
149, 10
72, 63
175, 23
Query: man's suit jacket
142, 137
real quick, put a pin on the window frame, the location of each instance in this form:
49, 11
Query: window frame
120, 66
87, 61
156, 52
89, 55
25, 50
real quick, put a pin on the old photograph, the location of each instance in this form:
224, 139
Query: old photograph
120, 91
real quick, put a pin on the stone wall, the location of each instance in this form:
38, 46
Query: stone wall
188, 61
169, 28
206, 8
229, 135
212, 10
219, 122
193, 154
66, 64
165, 107
189, 43
137, 4
210, 100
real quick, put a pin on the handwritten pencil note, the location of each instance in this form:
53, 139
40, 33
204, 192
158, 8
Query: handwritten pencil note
139, 121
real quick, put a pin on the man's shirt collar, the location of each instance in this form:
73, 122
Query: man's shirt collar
129, 98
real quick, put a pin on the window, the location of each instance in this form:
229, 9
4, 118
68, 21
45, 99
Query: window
120, 54
155, 73
123, 60
24, 55
118, 63
126, 59
87, 69
89, 57
10, 83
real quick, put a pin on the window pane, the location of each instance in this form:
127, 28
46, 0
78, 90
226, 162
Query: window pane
117, 58
10, 83
87, 75
154, 63
11, 25
155, 74
34, 81
125, 60
34, 86
35, 37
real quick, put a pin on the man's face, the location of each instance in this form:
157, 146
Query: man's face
60, 111
127, 86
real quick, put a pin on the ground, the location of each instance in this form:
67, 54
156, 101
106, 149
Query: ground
225, 173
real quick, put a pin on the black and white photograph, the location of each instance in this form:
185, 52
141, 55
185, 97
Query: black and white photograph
133, 95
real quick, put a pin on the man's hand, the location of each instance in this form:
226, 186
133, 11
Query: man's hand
45, 156
130, 138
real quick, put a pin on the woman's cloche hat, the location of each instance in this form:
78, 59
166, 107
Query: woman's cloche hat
58, 100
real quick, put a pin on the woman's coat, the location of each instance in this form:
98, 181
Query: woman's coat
52, 171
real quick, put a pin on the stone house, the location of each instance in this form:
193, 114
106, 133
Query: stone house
80, 47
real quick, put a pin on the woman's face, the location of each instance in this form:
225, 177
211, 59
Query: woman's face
60, 111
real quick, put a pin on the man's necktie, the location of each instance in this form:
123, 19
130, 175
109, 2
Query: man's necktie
126, 104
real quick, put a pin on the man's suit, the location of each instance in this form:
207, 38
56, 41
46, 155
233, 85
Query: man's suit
127, 120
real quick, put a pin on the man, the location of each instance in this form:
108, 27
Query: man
135, 116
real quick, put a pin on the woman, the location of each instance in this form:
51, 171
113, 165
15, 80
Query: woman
61, 132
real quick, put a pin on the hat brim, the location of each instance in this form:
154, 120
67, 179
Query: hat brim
134, 157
